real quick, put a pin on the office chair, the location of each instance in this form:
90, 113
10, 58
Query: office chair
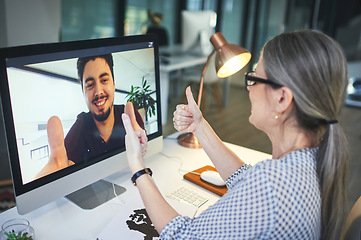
352, 228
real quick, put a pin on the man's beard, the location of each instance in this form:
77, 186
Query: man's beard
103, 116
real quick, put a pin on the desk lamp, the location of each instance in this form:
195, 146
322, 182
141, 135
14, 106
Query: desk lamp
229, 59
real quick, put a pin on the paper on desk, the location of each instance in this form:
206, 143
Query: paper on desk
133, 222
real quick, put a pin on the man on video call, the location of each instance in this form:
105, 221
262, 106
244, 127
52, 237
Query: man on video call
98, 131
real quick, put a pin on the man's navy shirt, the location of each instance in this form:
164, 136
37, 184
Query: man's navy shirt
84, 142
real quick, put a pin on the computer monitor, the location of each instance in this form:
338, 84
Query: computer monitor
40, 81
197, 29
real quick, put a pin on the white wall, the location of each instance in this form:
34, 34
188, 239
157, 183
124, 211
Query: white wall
27, 22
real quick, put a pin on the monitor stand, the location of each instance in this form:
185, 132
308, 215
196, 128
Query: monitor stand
95, 194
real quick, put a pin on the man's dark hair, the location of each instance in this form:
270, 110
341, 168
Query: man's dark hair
84, 60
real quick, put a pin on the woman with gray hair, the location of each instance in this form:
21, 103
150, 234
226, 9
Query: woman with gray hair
296, 93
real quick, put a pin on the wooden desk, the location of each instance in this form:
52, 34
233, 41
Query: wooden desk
61, 219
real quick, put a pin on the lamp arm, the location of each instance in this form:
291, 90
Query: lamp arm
202, 79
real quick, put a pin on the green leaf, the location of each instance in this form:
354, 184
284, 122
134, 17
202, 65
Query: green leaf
141, 98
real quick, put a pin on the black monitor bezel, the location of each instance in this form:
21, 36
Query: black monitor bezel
53, 48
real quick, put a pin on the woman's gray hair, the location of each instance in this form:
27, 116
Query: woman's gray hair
314, 67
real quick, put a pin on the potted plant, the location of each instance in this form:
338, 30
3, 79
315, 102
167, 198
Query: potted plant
141, 98
17, 229
18, 236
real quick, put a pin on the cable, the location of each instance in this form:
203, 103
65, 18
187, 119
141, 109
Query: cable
116, 195
114, 191
180, 164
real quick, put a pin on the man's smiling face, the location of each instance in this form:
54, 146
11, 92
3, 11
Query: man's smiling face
98, 88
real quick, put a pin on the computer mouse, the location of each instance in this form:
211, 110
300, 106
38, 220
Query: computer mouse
212, 177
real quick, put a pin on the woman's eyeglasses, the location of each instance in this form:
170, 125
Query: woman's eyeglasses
251, 79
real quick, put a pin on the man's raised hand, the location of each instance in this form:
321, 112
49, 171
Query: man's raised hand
58, 158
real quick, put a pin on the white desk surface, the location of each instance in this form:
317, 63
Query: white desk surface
178, 59
181, 62
61, 219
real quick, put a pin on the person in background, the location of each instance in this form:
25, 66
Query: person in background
296, 93
156, 28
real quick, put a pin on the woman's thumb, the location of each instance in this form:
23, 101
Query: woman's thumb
191, 102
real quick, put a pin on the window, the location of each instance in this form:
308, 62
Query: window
87, 19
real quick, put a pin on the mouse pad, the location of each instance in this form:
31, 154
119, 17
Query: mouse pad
196, 179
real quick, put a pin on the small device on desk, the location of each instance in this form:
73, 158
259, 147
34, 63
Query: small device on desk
189, 196
208, 178
212, 177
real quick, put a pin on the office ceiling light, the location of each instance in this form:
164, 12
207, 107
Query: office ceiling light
230, 59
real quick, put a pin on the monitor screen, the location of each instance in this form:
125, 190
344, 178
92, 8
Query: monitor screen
197, 29
62, 105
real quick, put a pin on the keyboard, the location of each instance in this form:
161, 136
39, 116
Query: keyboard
187, 195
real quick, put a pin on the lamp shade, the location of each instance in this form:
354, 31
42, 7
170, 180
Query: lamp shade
230, 58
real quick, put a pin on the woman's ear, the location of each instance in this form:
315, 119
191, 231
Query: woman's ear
284, 98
